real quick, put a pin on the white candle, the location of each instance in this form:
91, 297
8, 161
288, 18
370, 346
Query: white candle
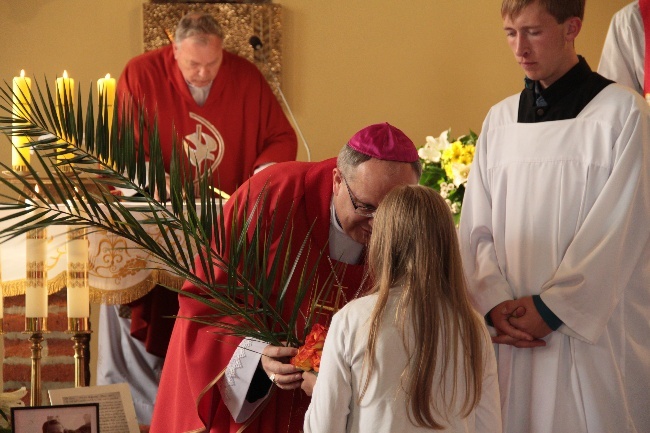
36, 288
77, 282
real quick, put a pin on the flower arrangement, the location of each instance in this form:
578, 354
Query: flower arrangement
309, 354
445, 166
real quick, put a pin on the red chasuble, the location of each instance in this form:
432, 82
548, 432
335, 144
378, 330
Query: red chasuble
240, 127
195, 357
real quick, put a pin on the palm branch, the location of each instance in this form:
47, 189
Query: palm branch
81, 156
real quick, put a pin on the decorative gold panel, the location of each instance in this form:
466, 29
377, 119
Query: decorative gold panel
239, 23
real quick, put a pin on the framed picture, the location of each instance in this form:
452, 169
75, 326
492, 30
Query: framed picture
70, 418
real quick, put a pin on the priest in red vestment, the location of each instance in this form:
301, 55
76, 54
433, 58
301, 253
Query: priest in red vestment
257, 389
225, 117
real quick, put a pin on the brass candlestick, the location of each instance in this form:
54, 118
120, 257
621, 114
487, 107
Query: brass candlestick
79, 327
78, 304
36, 326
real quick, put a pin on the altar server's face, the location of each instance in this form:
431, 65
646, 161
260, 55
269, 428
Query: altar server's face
543, 47
199, 58
367, 186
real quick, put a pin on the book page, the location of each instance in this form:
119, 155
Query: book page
116, 410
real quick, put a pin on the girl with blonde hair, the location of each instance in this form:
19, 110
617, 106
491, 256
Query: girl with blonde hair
413, 355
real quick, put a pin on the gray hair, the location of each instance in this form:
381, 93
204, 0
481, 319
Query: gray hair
197, 24
349, 159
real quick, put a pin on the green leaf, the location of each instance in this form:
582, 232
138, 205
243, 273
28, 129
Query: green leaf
80, 156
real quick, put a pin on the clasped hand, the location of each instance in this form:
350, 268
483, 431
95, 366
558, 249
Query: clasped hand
518, 324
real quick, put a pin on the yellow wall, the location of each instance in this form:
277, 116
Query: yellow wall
423, 65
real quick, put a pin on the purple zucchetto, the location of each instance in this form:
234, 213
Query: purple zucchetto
385, 142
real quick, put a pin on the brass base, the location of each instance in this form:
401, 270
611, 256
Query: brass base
78, 325
80, 328
35, 324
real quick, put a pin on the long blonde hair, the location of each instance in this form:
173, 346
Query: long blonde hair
414, 245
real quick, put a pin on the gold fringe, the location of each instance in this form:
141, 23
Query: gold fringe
13, 288
57, 283
101, 296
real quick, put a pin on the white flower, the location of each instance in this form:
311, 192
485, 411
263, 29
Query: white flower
460, 171
9, 400
432, 149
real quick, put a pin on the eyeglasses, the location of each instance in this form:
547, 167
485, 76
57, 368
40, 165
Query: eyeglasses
365, 211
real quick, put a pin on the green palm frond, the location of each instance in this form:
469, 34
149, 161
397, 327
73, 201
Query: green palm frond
80, 156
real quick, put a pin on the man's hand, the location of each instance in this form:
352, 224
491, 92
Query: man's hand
275, 362
501, 317
531, 322
308, 382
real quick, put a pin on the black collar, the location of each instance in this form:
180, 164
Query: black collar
565, 98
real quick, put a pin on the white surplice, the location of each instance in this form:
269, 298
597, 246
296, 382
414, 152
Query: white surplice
334, 406
562, 209
622, 59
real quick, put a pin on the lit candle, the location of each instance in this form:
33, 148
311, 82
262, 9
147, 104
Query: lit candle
65, 86
106, 89
21, 108
36, 287
77, 281
65, 92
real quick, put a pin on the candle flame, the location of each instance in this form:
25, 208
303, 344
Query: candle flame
108, 76
22, 73
65, 74
36, 189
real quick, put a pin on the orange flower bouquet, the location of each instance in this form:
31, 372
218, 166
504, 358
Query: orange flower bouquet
309, 354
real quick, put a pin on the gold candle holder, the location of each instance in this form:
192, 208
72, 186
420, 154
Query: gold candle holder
36, 326
80, 328
20, 169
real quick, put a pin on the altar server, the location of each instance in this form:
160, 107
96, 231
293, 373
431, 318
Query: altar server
339, 197
555, 235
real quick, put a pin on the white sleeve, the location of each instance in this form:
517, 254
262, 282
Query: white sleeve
622, 59
606, 250
486, 281
330, 401
237, 378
